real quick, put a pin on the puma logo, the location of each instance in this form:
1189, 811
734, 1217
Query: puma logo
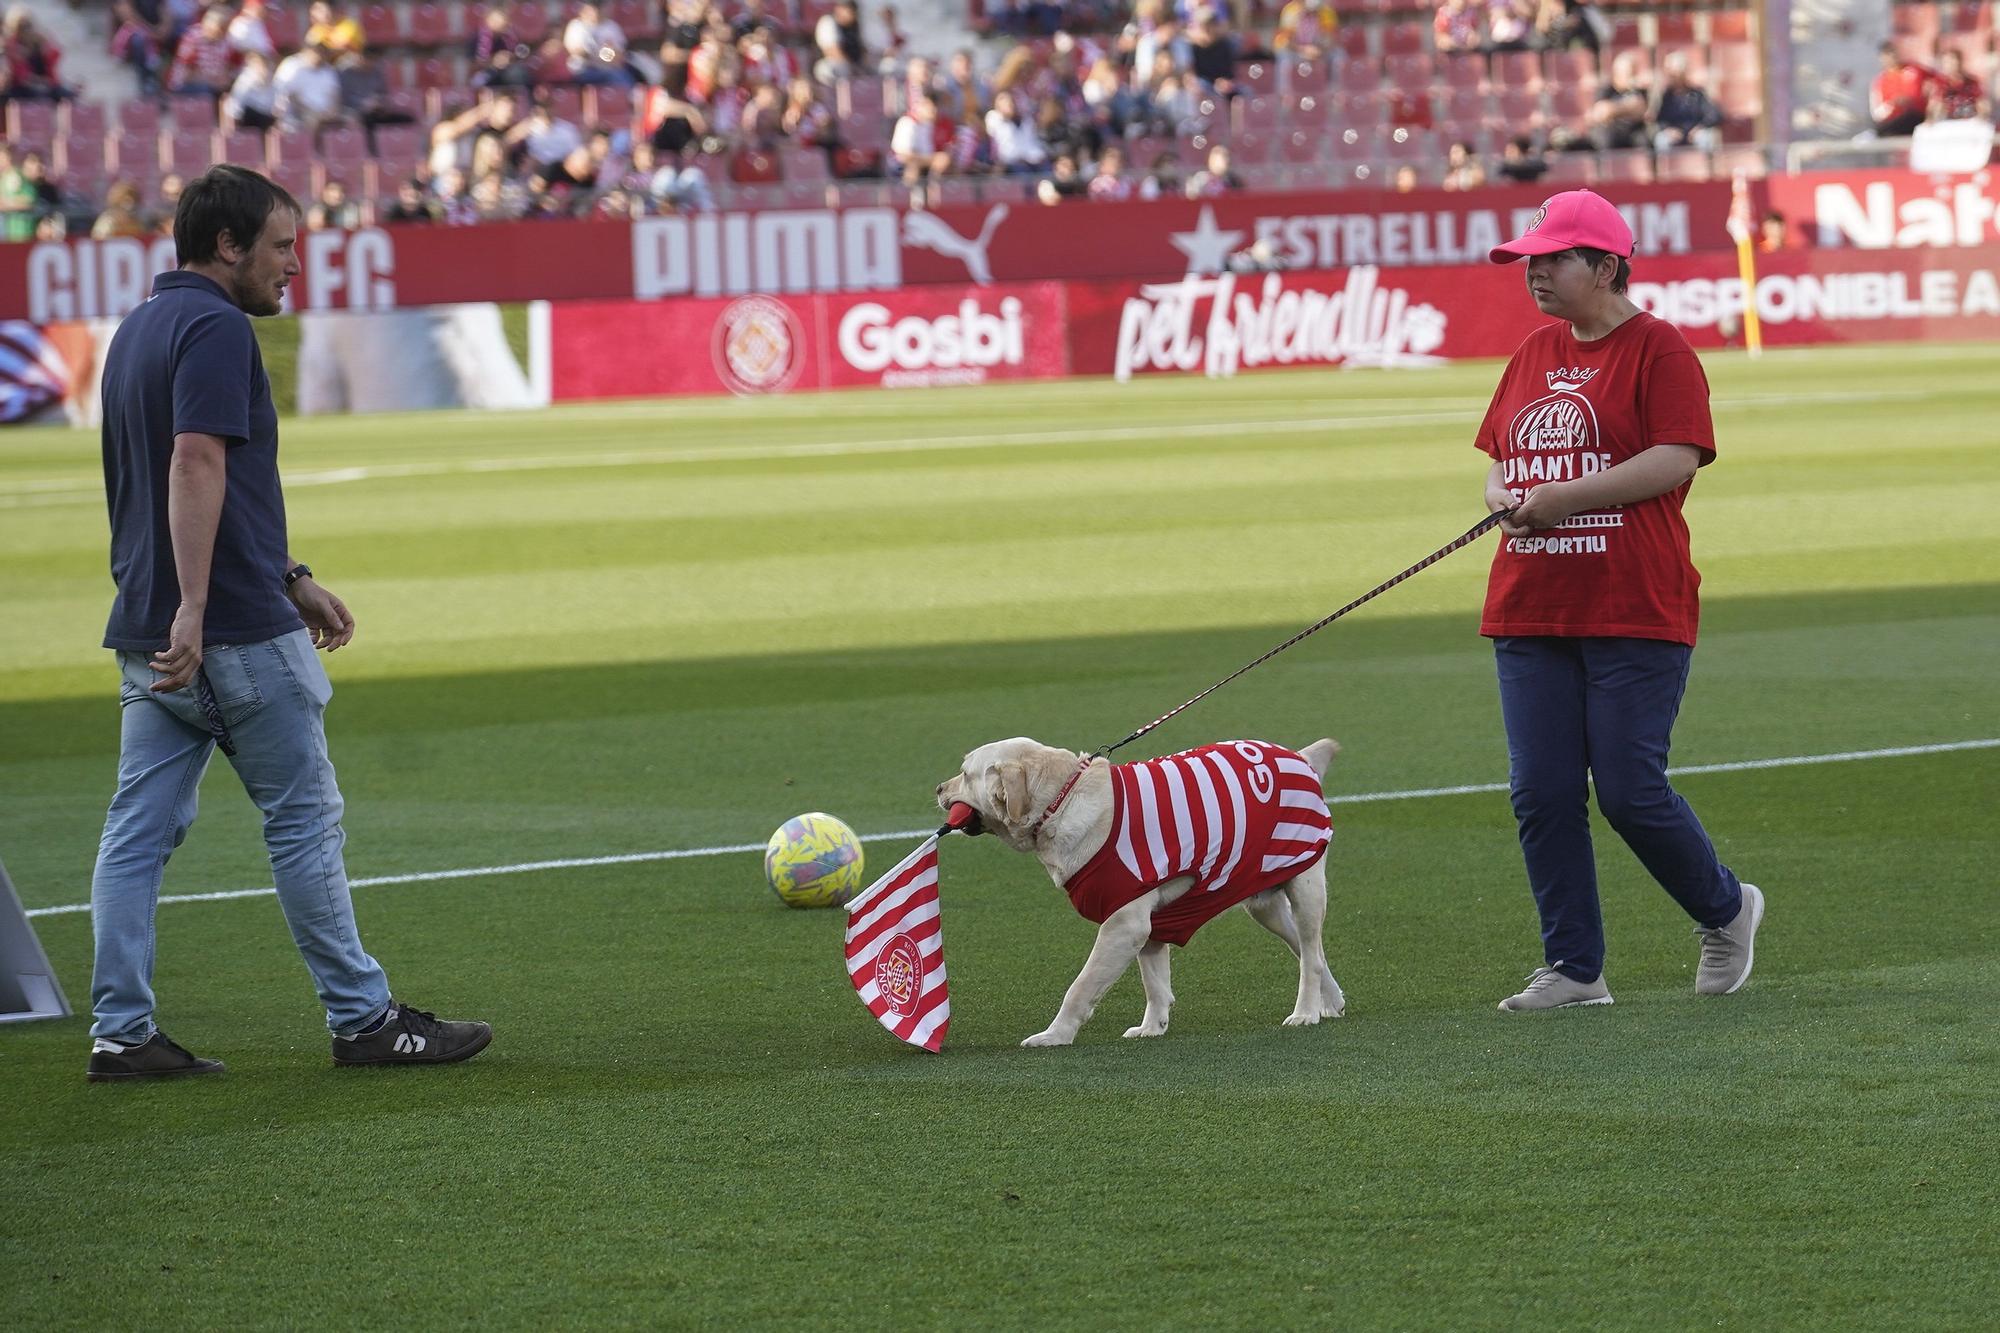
927, 231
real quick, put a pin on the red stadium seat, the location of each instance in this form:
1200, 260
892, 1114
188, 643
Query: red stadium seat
1253, 147
31, 122
79, 155
292, 146
1358, 76
1302, 146
1681, 164
803, 165
189, 152
1571, 169
1673, 27
139, 116
1463, 70
1923, 50
1572, 100
1411, 109
1750, 161
343, 145
1257, 76
1518, 107
284, 26
402, 149
1353, 40
640, 21
1633, 165
1517, 69
381, 26
435, 73
861, 97
1563, 68
1464, 106
1311, 76
1729, 25
84, 120
434, 25
1263, 177
1404, 39
245, 148
1258, 113
195, 112
1914, 20
566, 103
531, 22
297, 177
1409, 71
806, 194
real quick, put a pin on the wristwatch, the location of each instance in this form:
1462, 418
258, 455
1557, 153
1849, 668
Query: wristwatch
295, 573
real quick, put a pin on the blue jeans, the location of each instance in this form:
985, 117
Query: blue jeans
273, 697
1602, 710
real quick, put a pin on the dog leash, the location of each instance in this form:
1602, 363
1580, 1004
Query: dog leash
1469, 536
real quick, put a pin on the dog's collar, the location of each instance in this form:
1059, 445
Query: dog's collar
1043, 818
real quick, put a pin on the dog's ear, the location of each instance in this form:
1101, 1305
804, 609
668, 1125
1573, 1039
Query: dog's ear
1009, 785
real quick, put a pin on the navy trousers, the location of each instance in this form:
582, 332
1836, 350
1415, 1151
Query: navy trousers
1602, 709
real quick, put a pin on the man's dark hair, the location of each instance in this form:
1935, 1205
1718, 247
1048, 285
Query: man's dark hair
225, 199
1594, 257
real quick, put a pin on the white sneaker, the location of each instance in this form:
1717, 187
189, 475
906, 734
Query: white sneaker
1550, 989
1727, 951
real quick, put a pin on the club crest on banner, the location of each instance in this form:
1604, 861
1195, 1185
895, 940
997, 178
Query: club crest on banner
899, 975
759, 346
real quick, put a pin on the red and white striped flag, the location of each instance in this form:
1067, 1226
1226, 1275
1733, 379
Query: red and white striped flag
895, 950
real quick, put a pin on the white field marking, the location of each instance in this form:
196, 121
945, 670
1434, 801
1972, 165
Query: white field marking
1357, 798
38, 492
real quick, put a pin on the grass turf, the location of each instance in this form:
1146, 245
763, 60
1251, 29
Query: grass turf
636, 627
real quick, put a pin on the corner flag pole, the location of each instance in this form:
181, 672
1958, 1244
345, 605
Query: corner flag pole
1746, 260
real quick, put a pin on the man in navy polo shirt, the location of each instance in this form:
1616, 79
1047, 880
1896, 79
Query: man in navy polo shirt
215, 626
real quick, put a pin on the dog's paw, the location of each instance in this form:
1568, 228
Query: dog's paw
1296, 1019
1147, 1030
1048, 1037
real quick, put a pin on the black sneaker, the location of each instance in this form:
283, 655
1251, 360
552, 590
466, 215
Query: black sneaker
159, 1056
412, 1037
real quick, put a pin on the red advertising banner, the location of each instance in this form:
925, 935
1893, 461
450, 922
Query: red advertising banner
1889, 210
1221, 326
802, 252
772, 344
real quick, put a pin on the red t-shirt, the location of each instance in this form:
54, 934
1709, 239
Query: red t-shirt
1899, 90
1566, 409
1241, 817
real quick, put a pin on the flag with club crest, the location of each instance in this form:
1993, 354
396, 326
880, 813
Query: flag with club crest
895, 950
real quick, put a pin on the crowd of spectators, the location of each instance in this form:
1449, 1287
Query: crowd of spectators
1907, 93
1097, 100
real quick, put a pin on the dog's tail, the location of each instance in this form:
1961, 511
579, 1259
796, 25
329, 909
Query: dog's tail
1320, 754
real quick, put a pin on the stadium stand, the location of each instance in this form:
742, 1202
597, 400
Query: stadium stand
555, 108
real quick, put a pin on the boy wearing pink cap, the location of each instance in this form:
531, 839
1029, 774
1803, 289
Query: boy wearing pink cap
1596, 430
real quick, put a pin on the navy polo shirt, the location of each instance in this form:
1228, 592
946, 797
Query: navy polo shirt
187, 361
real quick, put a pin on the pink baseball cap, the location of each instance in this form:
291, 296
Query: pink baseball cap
1567, 220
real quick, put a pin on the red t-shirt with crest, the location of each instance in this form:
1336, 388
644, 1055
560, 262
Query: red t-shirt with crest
1567, 409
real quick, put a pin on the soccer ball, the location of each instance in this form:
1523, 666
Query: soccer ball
813, 861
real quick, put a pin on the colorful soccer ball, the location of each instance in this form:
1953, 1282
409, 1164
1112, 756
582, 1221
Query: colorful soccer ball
813, 861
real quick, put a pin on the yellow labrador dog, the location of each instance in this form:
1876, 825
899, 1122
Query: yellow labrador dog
1152, 850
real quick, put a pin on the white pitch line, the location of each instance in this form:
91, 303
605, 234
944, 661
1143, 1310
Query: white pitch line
41, 492
1358, 798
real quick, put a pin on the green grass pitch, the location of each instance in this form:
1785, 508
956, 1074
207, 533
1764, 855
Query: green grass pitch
638, 627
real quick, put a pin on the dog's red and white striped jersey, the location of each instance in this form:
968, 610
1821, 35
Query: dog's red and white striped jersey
1241, 817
